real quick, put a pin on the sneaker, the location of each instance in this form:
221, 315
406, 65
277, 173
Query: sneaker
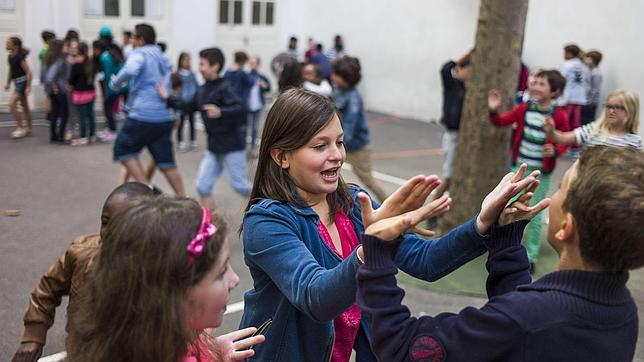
79, 142
108, 137
193, 145
18, 133
182, 147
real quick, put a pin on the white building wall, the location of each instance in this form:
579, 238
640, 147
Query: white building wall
402, 44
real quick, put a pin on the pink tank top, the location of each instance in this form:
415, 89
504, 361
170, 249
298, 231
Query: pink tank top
346, 325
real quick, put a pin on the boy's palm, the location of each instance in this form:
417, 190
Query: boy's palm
521, 209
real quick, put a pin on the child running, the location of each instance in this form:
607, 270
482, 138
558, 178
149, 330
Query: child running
223, 115
302, 231
617, 126
530, 144
67, 276
161, 278
20, 74
581, 312
346, 76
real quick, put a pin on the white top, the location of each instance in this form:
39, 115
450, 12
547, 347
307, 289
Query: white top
323, 89
577, 77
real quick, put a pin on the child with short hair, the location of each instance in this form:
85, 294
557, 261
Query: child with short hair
261, 86
314, 81
20, 73
67, 277
345, 76
588, 111
617, 126
161, 279
454, 74
581, 312
530, 144
223, 115
302, 230
189, 86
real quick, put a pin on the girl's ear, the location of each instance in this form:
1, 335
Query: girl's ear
280, 158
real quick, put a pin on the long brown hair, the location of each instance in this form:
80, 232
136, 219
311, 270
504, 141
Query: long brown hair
133, 308
294, 119
17, 42
88, 66
54, 51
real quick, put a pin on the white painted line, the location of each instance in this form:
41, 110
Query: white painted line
54, 357
380, 176
234, 308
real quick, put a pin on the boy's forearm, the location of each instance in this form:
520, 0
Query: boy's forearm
507, 263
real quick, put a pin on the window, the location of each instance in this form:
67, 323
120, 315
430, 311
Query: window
7, 5
263, 12
111, 8
238, 12
231, 14
138, 8
223, 11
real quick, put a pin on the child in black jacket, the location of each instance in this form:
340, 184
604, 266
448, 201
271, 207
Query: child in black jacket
581, 312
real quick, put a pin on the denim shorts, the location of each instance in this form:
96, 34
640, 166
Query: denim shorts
20, 85
155, 136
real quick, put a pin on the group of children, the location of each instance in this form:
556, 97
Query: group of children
323, 255
323, 259
546, 120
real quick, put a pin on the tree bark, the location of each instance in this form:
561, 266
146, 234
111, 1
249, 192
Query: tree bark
483, 149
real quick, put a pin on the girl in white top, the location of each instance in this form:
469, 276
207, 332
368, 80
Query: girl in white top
617, 126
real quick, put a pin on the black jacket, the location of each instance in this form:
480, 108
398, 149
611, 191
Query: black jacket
225, 132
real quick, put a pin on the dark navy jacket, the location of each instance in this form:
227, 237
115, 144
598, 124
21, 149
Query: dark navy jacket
224, 133
569, 315
453, 96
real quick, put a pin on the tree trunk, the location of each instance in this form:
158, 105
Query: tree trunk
483, 149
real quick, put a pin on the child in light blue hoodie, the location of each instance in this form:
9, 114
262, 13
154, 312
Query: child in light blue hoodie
150, 122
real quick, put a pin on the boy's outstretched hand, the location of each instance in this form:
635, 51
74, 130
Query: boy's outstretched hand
410, 196
236, 345
494, 203
212, 110
521, 209
393, 226
494, 100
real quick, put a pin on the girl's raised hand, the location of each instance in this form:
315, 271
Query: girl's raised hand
236, 345
549, 126
392, 227
494, 203
410, 196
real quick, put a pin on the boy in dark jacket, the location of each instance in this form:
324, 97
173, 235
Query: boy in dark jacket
581, 312
223, 114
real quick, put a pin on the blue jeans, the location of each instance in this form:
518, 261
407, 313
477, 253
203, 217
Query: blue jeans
211, 166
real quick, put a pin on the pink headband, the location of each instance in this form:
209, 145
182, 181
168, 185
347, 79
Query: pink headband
206, 230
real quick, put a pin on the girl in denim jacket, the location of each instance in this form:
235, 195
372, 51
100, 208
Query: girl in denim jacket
302, 231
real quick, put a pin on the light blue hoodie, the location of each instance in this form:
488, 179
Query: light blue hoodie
146, 67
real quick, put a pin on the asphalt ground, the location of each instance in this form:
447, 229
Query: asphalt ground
60, 191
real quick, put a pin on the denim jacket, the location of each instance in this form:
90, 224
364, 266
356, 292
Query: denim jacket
354, 123
302, 285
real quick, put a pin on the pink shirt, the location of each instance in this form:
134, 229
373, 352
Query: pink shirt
346, 324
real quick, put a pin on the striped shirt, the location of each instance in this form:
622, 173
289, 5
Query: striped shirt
591, 135
534, 138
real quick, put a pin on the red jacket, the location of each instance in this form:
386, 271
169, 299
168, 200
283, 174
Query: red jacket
517, 115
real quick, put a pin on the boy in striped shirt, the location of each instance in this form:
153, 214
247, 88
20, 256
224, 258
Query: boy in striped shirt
530, 144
